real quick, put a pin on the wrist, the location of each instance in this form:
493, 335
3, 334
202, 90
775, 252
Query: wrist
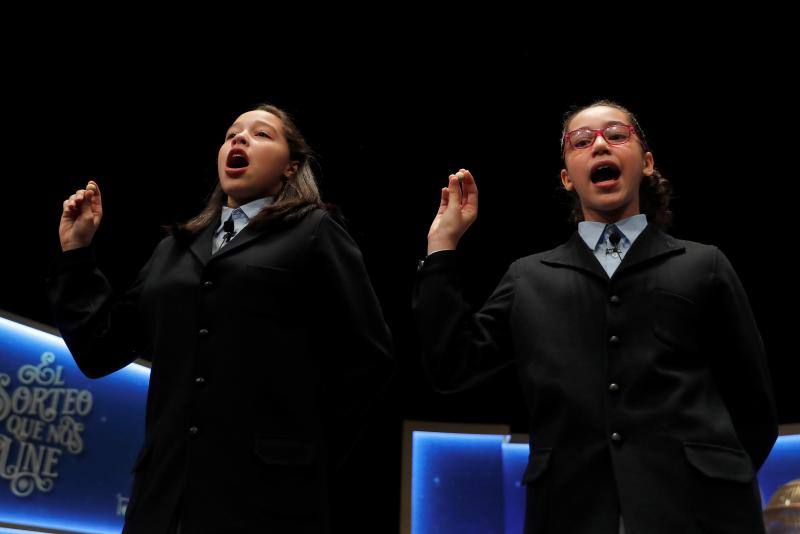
435, 245
66, 246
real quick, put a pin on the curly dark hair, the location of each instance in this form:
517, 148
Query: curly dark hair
655, 191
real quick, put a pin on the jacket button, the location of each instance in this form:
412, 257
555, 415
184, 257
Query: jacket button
203, 332
193, 430
208, 284
616, 437
613, 339
613, 387
199, 380
614, 299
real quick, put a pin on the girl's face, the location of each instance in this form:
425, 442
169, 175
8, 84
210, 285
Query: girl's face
254, 158
606, 177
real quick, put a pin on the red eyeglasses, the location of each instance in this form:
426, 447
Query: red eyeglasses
614, 134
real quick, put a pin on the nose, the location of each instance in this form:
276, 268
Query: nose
600, 145
239, 139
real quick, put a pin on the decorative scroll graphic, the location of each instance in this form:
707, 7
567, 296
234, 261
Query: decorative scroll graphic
122, 504
40, 419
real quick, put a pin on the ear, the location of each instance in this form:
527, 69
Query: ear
565, 180
291, 169
649, 165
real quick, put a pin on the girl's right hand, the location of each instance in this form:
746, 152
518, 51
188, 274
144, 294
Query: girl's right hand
455, 214
81, 217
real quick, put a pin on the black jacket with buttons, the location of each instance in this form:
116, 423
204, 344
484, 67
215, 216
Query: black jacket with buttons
648, 392
265, 357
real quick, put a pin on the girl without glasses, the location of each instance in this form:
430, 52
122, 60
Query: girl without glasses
266, 338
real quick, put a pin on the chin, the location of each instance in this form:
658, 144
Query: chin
236, 193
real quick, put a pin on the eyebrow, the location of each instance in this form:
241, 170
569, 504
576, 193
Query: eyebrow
235, 124
609, 123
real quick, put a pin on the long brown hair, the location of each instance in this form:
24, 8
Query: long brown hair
655, 191
298, 195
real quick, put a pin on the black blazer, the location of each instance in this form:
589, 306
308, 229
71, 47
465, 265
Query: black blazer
649, 393
265, 357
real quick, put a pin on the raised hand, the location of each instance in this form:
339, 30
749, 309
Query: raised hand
458, 209
81, 217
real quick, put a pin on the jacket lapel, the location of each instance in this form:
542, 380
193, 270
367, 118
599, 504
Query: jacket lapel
201, 246
652, 243
247, 234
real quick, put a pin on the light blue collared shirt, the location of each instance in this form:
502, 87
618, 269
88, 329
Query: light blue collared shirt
241, 216
595, 234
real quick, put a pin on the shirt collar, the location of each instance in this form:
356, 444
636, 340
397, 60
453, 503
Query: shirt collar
250, 209
630, 227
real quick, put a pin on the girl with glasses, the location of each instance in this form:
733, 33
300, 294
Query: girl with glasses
644, 372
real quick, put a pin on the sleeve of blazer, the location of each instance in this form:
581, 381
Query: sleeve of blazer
358, 369
460, 348
739, 363
103, 331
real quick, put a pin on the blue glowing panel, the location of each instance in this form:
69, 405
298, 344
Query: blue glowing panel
782, 465
67, 443
472, 482
456, 483
515, 459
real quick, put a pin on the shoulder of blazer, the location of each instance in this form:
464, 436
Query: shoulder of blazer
166, 243
321, 217
293, 221
693, 249
533, 260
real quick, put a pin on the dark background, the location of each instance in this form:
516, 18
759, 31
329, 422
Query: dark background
388, 128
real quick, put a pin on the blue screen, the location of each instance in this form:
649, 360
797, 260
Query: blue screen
67, 442
471, 482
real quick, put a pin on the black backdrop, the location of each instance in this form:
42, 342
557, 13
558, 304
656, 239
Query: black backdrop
388, 130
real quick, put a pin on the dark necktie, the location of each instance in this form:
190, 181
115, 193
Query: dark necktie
229, 227
614, 237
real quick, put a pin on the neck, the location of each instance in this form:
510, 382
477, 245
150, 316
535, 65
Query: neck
239, 202
610, 217
232, 202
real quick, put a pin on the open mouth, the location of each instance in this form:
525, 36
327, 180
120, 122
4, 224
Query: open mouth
605, 173
237, 160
